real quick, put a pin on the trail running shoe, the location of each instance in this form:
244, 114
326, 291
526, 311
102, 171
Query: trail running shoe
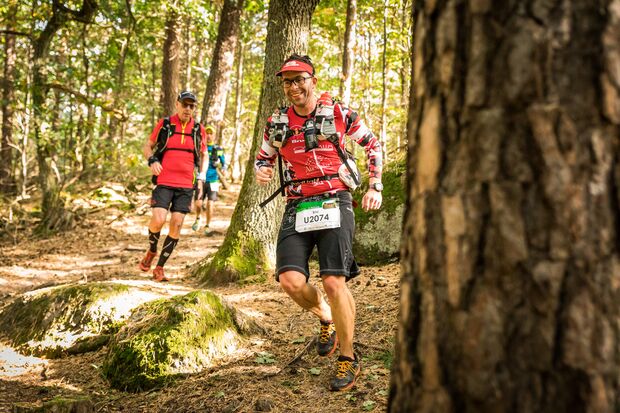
147, 261
328, 339
196, 225
158, 274
207, 231
347, 373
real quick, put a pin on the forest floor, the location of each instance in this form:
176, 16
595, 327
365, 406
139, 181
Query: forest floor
289, 377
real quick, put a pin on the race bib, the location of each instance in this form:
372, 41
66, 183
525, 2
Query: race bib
315, 215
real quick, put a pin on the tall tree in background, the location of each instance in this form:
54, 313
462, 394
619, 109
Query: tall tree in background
170, 64
119, 84
7, 182
249, 246
52, 206
218, 84
384, 142
348, 56
511, 247
234, 167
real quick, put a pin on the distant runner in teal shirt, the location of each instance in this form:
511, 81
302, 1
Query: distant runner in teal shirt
211, 181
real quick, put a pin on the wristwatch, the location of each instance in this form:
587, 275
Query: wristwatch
152, 160
377, 186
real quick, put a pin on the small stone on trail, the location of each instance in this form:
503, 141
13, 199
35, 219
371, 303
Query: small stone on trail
263, 405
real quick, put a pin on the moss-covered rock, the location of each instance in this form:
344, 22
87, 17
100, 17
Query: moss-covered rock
69, 319
79, 404
168, 337
240, 259
377, 234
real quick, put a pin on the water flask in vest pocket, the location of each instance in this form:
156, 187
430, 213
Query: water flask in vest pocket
345, 175
279, 130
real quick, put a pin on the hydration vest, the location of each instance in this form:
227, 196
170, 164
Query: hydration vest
279, 133
166, 131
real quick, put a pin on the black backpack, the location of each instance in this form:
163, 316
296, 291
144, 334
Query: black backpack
166, 131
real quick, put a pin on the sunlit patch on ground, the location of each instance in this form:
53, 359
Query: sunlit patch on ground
14, 364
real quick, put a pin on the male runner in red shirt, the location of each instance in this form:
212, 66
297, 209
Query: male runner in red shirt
174, 169
319, 205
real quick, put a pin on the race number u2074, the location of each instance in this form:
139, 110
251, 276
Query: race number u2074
315, 215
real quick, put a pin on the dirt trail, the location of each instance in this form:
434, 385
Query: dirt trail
108, 246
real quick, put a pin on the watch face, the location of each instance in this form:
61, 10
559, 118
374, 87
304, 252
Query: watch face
378, 186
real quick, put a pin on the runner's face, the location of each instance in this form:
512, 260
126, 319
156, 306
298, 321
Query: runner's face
210, 138
300, 91
185, 109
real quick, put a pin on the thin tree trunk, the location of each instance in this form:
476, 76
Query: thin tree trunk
511, 243
170, 65
218, 84
384, 92
188, 49
54, 216
119, 85
348, 57
235, 171
249, 246
7, 180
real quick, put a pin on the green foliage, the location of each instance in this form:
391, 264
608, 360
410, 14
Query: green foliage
168, 337
265, 358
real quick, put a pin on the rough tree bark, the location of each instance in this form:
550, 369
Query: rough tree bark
249, 246
7, 180
511, 247
170, 65
218, 83
348, 57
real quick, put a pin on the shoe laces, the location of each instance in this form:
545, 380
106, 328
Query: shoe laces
326, 331
344, 367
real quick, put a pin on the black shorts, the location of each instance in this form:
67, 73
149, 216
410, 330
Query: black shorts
334, 245
175, 199
207, 192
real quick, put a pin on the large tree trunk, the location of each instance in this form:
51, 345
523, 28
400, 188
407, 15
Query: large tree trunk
218, 84
348, 56
510, 252
170, 65
249, 246
7, 180
54, 216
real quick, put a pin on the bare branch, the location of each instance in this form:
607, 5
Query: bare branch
85, 99
15, 33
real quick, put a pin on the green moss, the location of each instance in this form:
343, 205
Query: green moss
48, 321
58, 404
377, 236
167, 337
394, 194
240, 259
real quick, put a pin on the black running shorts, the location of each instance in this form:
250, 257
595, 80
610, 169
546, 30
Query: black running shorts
207, 192
335, 245
175, 199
